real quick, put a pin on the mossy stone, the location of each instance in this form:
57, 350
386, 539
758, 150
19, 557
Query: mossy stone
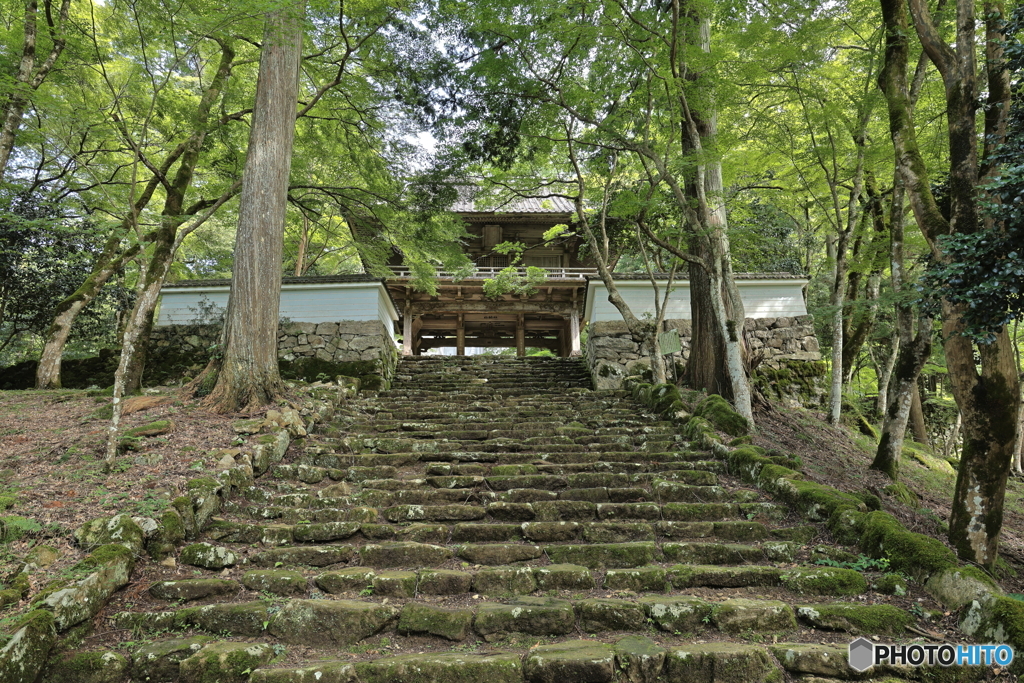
720, 663
829, 661
403, 555
426, 533
192, 589
722, 415
276, 581
24, 654
499, 553
483, 533
207, 556
505, 581
699, 512
396, 584
918, 555
444, 582
740, 531
323, 672
550, 531
120, 529
563, 577
606, 614
238, 619
640, 580
224, 662
330, 622
452, 624
158, 662
574, 660
602, 555
618, 532
687, 576
803, 534
327, 531
312, 556
713, 553
739, 614
640, 659
469, 667
856, 619
674, 613
825, 581
344, 580
106, 569
533, 616
88, 667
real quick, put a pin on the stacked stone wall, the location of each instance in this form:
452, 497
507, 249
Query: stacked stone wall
776, 344
361, 348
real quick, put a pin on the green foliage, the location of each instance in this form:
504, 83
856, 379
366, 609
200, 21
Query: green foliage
863, 563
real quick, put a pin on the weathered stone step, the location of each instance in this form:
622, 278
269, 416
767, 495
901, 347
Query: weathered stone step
334, 622
345, 510
636, 658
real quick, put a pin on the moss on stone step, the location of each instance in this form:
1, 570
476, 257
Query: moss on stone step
444, 582
87, 667
467, 667
738, 615
159, 661
207, 556
720, 663
224, 663
419, 618
330, 622
343, 580
563, 577
192, 589
603, 555
275, 581
530, 615
856, 619
824, 581
573, 660
505, 581
606, 614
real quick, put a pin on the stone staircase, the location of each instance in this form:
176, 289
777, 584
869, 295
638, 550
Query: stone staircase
493, 519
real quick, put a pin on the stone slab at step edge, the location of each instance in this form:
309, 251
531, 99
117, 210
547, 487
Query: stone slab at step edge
635, 659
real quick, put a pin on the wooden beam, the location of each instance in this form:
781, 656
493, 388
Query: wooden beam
553, 307
460, 337
407, 333
521, 336
574, 333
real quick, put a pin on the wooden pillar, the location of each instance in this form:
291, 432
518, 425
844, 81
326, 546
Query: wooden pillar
521, 335
574, 333
407, 332
563, 340
460, 336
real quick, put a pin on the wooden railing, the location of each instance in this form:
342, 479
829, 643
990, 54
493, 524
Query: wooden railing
401, 272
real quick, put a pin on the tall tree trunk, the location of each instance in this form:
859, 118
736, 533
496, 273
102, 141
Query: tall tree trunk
249, 375
30, 75
885, 376
718, 326
988, 400
918, 425
913, 354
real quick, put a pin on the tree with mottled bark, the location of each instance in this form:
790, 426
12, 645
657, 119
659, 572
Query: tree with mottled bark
248, 375
988, 399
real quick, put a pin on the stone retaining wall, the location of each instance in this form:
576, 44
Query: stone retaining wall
358, 348
612, 355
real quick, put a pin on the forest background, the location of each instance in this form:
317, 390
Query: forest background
126, 126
